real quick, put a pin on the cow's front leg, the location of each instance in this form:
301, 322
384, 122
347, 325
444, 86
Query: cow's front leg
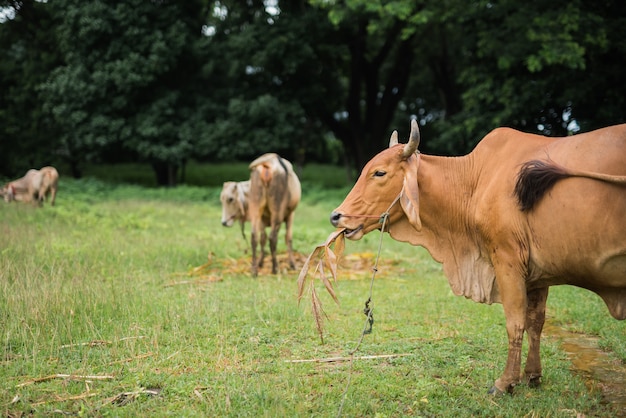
535, 318
513, 294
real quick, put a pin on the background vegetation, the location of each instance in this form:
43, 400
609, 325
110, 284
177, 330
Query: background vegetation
168, 82
124, 300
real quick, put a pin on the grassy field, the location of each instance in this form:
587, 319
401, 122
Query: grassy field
130, 301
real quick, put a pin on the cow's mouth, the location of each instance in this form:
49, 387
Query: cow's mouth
350, 233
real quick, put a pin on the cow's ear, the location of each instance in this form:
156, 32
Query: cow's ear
409, 196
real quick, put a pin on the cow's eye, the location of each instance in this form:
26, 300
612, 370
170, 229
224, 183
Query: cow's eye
230, 200
379, 173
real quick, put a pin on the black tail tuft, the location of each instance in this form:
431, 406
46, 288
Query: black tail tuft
535, 178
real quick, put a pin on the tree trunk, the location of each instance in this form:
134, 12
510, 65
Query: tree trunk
165, 173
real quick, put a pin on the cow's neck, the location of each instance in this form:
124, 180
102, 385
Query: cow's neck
446, 190
449, 231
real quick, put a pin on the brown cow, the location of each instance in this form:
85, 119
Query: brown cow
274, 195
518, 214
35, 186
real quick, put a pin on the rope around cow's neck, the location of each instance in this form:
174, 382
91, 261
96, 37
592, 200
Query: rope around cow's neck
368, 311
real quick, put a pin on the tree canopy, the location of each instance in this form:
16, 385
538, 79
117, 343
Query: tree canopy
164, 82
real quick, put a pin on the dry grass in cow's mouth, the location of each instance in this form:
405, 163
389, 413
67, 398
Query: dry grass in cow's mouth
350, 232
325, 260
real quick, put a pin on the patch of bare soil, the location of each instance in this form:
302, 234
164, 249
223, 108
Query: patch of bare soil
600, 371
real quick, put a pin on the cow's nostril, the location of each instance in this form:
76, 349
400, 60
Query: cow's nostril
334, 218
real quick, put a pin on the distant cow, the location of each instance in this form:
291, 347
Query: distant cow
234, 198
515, 216
35, 187
274, 195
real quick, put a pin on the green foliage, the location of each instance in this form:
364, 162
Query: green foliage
122, 82
251, 125
29, 54
165, 82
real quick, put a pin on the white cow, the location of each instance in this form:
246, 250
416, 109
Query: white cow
35, 187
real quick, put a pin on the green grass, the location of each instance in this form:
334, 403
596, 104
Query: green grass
100, 285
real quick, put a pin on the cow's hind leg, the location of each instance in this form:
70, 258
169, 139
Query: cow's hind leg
254, 241
288, 240
263, 243
53, 195
535, 318
273, 245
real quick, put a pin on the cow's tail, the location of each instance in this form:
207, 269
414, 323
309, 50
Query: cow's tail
282, 164
536, 177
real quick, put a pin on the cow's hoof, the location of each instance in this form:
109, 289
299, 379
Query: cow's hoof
534, 381
495, 392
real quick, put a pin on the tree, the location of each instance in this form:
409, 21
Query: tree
300, 76
256, 107
531, 68
27, 139
165, 81
129, 81
485, 64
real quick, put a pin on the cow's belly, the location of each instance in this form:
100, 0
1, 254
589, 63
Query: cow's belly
578, 235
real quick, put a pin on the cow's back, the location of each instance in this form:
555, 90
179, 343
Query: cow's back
602, 151
25, 189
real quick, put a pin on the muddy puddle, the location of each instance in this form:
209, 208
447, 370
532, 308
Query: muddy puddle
600, 371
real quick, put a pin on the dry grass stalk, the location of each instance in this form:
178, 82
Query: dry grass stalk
67, 398
325, 259
350, 358
66, 376
128, 360
126, 397
94, 343
201, 280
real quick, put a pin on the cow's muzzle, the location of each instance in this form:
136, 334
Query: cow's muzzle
335, 220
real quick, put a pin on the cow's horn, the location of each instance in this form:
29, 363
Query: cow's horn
394, 139
414, 140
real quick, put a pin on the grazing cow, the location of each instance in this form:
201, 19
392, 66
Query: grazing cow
234, 198
274, 195
518, 214
35, 186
